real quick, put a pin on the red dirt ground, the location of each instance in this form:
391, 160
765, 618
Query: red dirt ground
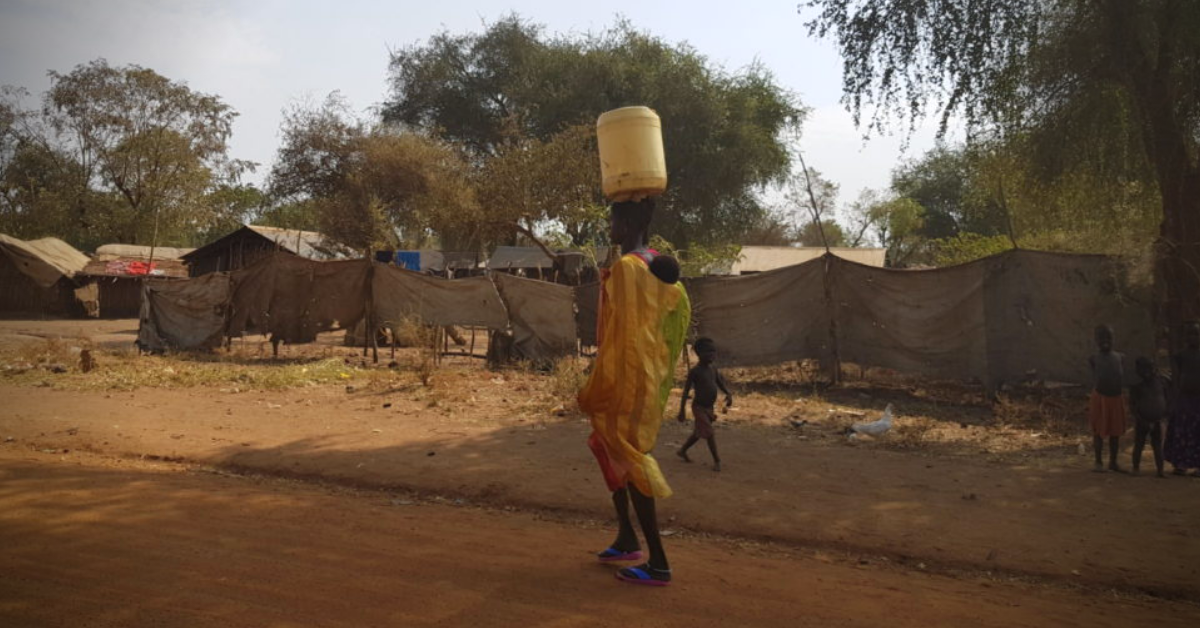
985, 513
97, 542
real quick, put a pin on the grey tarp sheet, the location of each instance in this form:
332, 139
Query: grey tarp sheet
928, 322
188, 314
765, 318
399, 293
542, 316
1043, 307
292, 298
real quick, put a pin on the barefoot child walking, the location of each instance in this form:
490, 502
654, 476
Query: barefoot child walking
1106, 407
705, 379
1148, 401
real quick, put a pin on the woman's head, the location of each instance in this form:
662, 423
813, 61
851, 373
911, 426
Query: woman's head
629, 221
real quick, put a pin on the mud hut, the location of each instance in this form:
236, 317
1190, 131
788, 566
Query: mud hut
37, 278
117, 271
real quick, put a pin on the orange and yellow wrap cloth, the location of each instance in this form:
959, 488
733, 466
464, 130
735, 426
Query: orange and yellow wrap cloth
643, 323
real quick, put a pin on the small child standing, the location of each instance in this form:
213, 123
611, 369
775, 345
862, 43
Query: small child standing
1182, 449
706, 379
1148, 400
1106, 407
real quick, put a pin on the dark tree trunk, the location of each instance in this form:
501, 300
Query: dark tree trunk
1178, 268
1170, 149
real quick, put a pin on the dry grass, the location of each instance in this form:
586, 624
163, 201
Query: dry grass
34, 364
566, 379
932, 418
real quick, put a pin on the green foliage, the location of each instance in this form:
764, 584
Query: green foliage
301, 214
1101, 93
967, 247
811, 234
116, 154
698, 260
531, 182
992, 190
231, 207
772, 228
371, 187
939, 182
721, 131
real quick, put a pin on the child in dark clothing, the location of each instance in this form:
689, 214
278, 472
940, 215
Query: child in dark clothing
1106, 407
666, 268
1148, 401
706, 379
1182, 448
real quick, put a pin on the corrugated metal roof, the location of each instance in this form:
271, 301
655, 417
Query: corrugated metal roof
505, 257
310, 244
519, 257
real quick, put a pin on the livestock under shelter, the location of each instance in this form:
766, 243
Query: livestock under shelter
250, 243
37, 278
117, 271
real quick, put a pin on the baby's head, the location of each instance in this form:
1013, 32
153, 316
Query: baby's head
666, 268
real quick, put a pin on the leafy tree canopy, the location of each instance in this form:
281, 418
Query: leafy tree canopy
722, 131
116, 154
370, 186
1095, 89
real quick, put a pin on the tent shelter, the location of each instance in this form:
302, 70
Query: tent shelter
250, 243
37, 277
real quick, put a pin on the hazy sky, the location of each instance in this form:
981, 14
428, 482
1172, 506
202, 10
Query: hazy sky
260, 55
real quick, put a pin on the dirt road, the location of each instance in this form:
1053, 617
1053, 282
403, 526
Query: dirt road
94, 541
1129, 533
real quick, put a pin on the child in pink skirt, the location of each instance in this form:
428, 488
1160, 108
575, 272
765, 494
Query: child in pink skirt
1106, 407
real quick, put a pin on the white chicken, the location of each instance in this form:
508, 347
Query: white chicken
874, 428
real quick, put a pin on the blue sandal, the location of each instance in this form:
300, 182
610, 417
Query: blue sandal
645, 575
613, 554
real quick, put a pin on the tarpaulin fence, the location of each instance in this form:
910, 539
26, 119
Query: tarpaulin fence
999, 319
292, 299
1003, 318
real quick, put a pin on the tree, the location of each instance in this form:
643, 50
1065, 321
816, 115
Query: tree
371, 186
812, 234
154, 142
117, 154
722, 131
1110, 87
939, 182
773, 228
895, 223
530, 182
814, 196
230, 206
